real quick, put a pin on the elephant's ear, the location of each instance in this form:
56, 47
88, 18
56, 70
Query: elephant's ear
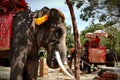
61, 14
41, 20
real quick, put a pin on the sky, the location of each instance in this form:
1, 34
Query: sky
59, 4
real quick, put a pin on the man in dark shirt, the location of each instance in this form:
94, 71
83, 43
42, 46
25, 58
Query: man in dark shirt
86, 66
86, 45
97, 41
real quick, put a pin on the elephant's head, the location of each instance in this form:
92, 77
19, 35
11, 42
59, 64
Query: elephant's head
51, 34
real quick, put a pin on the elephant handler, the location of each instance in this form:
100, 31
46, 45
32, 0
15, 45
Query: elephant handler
96, 41
72, 55
86, 67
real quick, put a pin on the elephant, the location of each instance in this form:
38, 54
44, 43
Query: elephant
27, 38
111, 58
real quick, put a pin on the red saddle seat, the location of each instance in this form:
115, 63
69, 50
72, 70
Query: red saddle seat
5, 31
8, 8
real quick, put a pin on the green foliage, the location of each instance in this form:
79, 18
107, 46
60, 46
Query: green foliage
102, 17
103, 10
79, 4
69, 37
44, 51
115, 41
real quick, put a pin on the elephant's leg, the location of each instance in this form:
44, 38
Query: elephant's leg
17, 63
31, 68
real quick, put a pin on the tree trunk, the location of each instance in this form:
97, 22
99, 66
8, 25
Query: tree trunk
77, 42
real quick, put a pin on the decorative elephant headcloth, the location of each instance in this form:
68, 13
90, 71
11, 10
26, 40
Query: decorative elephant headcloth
44, 18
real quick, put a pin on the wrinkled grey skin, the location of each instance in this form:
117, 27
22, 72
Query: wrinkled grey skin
27, 38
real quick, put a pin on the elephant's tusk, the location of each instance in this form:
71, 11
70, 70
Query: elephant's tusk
62, 66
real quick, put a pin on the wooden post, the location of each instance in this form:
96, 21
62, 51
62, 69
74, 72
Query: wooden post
43, 68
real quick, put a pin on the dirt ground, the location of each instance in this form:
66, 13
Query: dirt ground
53, 74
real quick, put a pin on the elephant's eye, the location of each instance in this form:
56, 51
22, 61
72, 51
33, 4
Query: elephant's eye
58, 32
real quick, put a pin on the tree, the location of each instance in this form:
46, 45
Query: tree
77, 41
103, 10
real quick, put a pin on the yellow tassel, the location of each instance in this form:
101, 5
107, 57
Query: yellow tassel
41, 20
